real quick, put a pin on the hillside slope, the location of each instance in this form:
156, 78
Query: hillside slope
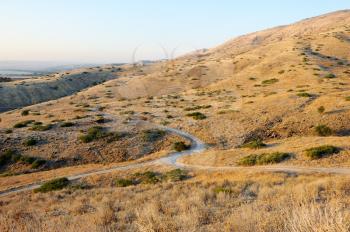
274, 84
32, 91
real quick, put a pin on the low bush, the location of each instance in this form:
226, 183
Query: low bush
38, 163
323, 130
41, 127
30, 142
93, 133
27, 159
321, 151
53, 185
152, 135
270, 81
330, 76
304, 94
23, 124
255, 144
10, 157
197, 108
148, 177
67, 124
176, 175
123, 182
262, 159
25, 113
6, 157
321, 109
197, 115
180, 146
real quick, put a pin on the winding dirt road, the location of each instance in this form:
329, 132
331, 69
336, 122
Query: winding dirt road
173, 160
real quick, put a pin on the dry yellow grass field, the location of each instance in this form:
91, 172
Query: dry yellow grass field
205, 202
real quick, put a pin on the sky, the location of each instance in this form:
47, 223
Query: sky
115, 31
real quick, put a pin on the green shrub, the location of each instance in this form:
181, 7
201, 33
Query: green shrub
67, 124
272, 158
330, 76
304, 95
86, 138
129, 112
270, 81
6, 157
148, 177
152, 135
249, 160
323, 130
23, 124
8, 131
176, 175
262, 159
30, 142
124, 182
93, 133
27, 159
197, 108
9, 157
197, 115
38, 163
255, 144
41, 127
53, 185
180, 146
25, 113
321, 151
321, 109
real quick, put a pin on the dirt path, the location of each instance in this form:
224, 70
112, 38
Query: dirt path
173, 160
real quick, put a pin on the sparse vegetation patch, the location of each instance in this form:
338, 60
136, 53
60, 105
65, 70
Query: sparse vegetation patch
270, 81
152, 135
321, 151
323, 130
180, 146
197, 115
41, 127
53, 185
255, 144
23, 124
262, 159
93, 133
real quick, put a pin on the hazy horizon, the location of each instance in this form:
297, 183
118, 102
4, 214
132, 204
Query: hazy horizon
66, 32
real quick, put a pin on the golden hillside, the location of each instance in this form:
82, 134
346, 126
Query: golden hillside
252, 135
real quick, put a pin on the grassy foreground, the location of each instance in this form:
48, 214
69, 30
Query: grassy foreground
206, 202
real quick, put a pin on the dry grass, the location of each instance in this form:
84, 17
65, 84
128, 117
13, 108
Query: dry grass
264, 202
294, 145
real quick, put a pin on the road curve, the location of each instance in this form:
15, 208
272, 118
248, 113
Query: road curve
173, 160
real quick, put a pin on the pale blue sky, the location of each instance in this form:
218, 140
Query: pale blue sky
110, 31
